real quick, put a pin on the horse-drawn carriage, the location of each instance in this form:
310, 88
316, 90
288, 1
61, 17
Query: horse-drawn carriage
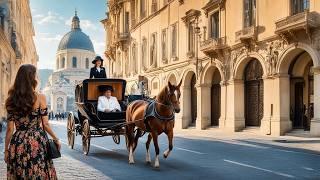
88, 122
154, 116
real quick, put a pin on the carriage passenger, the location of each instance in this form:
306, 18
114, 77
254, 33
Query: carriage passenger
106, 102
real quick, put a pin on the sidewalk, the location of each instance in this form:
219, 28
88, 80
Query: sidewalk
303, 142
66, 167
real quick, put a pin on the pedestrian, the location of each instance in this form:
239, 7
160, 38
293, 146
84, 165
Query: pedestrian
98, 71
25, 149
56, 116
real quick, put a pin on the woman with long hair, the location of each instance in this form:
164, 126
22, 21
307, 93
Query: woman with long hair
98, 71
25, 149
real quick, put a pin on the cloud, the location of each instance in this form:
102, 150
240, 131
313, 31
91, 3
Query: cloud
48, 38
99, 46
49, 18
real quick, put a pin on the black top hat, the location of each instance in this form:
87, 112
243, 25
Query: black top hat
97, 58
104, 88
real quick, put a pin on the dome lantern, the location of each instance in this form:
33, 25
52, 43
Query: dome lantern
75, 21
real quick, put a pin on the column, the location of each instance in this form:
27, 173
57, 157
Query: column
203, 106
280, 122
315, 122
268, 106
224, 103
235, 120
183, 119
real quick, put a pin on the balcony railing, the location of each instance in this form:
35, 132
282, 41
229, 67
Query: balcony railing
249, 33
213, 46
299, 21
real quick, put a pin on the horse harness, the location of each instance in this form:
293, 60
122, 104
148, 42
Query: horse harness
151, 111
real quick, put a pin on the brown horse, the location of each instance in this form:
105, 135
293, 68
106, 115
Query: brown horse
166, 104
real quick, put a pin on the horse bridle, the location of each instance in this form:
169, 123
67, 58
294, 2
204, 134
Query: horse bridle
170, 105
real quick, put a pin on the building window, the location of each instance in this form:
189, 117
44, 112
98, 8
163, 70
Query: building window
190, 38
249, 13
174, 40
154, 6
298, 6
126, 25
144, 52
74, 62
63, 63
214, 25
153, 50
164, 45
87, 63
143, 9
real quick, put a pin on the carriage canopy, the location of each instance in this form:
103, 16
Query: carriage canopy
88, 91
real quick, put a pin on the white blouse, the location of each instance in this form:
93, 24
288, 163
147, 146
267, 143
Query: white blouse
110, 104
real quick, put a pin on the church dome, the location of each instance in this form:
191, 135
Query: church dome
76, 39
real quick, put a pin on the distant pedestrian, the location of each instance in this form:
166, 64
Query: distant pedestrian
26, 150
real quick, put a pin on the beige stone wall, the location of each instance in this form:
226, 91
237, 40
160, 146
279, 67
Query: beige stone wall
275, 38
17, 21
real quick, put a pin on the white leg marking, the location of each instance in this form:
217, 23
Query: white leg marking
148, 158
156, 162
166, 153
131, 160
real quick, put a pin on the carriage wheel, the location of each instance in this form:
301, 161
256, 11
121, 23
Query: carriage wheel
71, 130
86, 137
116, 139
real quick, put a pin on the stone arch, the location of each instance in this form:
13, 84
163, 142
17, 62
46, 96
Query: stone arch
294, 65
208, 70
172, 78
211, 88
287, 56
244, 60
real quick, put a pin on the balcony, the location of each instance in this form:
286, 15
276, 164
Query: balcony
303, 21
213, 47
247, 34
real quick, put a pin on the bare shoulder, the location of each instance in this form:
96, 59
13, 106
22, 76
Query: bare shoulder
42, 99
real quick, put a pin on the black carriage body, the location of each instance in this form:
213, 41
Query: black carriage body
86, 97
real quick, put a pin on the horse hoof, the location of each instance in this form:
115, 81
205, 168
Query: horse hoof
165, 156
157, 166
131, 162
148, 162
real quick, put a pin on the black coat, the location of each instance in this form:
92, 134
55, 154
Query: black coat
94, 73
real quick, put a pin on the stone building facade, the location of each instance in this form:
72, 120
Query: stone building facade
243, 64
73, 62
16, 43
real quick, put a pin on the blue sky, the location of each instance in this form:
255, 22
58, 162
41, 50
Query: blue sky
52, 19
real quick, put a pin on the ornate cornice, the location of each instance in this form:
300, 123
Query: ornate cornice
213, 4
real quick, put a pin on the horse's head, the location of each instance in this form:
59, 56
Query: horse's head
174, 95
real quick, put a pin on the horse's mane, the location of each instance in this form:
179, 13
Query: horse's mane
161, 97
